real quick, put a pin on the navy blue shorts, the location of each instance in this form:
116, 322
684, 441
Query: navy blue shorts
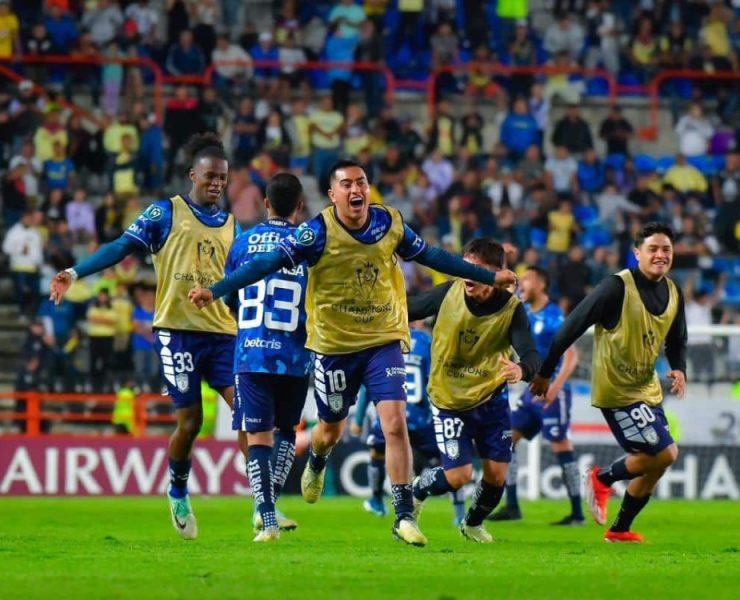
422, 440
530, 417
264, 402
186, 357
639, 427
337, 379
487, 427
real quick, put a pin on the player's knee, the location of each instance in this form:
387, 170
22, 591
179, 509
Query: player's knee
190, 427
459, 477
394, 426
670, 455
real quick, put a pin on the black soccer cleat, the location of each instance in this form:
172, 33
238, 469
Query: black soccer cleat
506, 514
570, 521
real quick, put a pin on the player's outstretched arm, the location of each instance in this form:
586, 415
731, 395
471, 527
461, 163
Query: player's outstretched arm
450, 264
106, 256
251, 272
427, 304
570, 362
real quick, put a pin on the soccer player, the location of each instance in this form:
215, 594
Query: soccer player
551, 417
418, 420
270, 361
477, 326
635, 312
189, 237
357, 321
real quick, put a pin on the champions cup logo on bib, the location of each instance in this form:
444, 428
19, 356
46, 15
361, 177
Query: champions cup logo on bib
363, 288
467, 339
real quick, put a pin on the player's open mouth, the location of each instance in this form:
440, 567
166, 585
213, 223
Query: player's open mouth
469, 286
214, 193
356, 202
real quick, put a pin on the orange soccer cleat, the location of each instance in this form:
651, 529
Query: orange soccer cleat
597, 496
623, 536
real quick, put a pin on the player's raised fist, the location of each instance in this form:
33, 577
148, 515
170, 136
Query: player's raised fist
504, 278
59, 286
201, 297
539, 386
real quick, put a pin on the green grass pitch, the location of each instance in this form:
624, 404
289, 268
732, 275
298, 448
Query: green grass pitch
126, 548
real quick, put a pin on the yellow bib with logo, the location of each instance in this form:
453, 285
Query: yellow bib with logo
466, 351
356, 296
624, 357
194, 255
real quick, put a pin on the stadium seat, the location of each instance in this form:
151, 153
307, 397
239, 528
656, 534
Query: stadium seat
720, 162
732, 292
615, 161
597, 86
704, 163
586, 215
538, 237
595, 237
644, 163
665, 163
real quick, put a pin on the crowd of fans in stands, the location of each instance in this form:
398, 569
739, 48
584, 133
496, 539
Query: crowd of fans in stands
566, 193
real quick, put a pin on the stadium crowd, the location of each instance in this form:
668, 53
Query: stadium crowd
73, 181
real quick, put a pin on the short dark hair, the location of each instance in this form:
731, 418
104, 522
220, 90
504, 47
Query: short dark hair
204, 145
284, 191
487, 250
342, 164
541, 273
652, 229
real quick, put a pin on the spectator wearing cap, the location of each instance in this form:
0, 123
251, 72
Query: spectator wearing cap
519, 130
33, 170
185, 58
10, 40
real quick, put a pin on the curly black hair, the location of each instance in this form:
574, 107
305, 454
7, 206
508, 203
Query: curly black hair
202, 145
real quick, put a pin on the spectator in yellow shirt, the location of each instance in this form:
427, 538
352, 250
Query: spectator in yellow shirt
562, 224
685, 177
101, 328
51, 131
10, 41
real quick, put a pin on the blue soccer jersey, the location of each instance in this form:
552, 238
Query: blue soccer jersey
271, 315
544, 325
418, 363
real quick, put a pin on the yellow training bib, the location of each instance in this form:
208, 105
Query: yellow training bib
356, 296
466, 351
624, 358
194, 255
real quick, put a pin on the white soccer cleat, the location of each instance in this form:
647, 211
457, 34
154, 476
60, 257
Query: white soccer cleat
407, 530
476, 534
312, 484
271, 534
284, 523
418, 504
183, 519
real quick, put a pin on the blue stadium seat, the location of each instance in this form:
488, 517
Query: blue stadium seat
597, 86
538, 237
665, 163
595, 237
732, 292
722, 264
704, 163
644, 163
586, 215
615, 161
720, 162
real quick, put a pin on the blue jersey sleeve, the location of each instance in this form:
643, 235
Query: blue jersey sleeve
307, 243
151, 228
411, 245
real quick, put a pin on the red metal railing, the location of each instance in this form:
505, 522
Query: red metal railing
651, 131
38, 404
473, 67
90, 60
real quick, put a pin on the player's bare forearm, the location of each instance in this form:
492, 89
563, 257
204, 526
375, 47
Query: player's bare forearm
570, 362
